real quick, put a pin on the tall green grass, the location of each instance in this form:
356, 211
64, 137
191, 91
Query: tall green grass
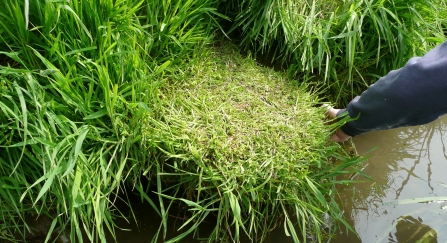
76, 81
344, 45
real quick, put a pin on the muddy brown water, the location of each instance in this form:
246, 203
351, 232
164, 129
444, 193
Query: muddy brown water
406, 200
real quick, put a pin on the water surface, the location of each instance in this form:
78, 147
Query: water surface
408, 165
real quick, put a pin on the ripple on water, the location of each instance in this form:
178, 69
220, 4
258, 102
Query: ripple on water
406, 201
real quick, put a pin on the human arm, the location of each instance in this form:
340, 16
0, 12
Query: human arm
412, 95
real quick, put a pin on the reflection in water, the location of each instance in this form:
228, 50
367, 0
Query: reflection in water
409, 229
408, 163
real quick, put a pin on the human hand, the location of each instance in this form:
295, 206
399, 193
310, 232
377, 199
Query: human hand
339, 135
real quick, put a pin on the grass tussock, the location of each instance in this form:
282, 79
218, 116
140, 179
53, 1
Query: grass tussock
246, 144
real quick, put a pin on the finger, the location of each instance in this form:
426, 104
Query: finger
340, 136
332, 112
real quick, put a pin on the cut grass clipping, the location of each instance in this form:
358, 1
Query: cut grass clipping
247, 145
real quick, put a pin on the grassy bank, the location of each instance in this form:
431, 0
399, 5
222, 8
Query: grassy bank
99, 97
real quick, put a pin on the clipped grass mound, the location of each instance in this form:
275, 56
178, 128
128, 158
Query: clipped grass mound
246, 144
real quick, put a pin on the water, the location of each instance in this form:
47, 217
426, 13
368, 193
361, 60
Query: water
408, 164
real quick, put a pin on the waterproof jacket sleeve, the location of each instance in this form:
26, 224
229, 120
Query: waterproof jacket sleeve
415, 94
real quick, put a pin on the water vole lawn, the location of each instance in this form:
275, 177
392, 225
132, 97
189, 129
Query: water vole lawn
246, 144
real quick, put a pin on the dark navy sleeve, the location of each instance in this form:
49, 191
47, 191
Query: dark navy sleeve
415, 94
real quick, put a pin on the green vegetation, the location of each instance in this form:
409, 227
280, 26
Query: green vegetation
246, 143
98, 96
75, 87
345, 45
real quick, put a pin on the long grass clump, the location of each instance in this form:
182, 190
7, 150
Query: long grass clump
243, 146
76, 80
344, 45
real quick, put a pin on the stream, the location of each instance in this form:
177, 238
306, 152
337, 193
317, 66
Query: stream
407, 199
